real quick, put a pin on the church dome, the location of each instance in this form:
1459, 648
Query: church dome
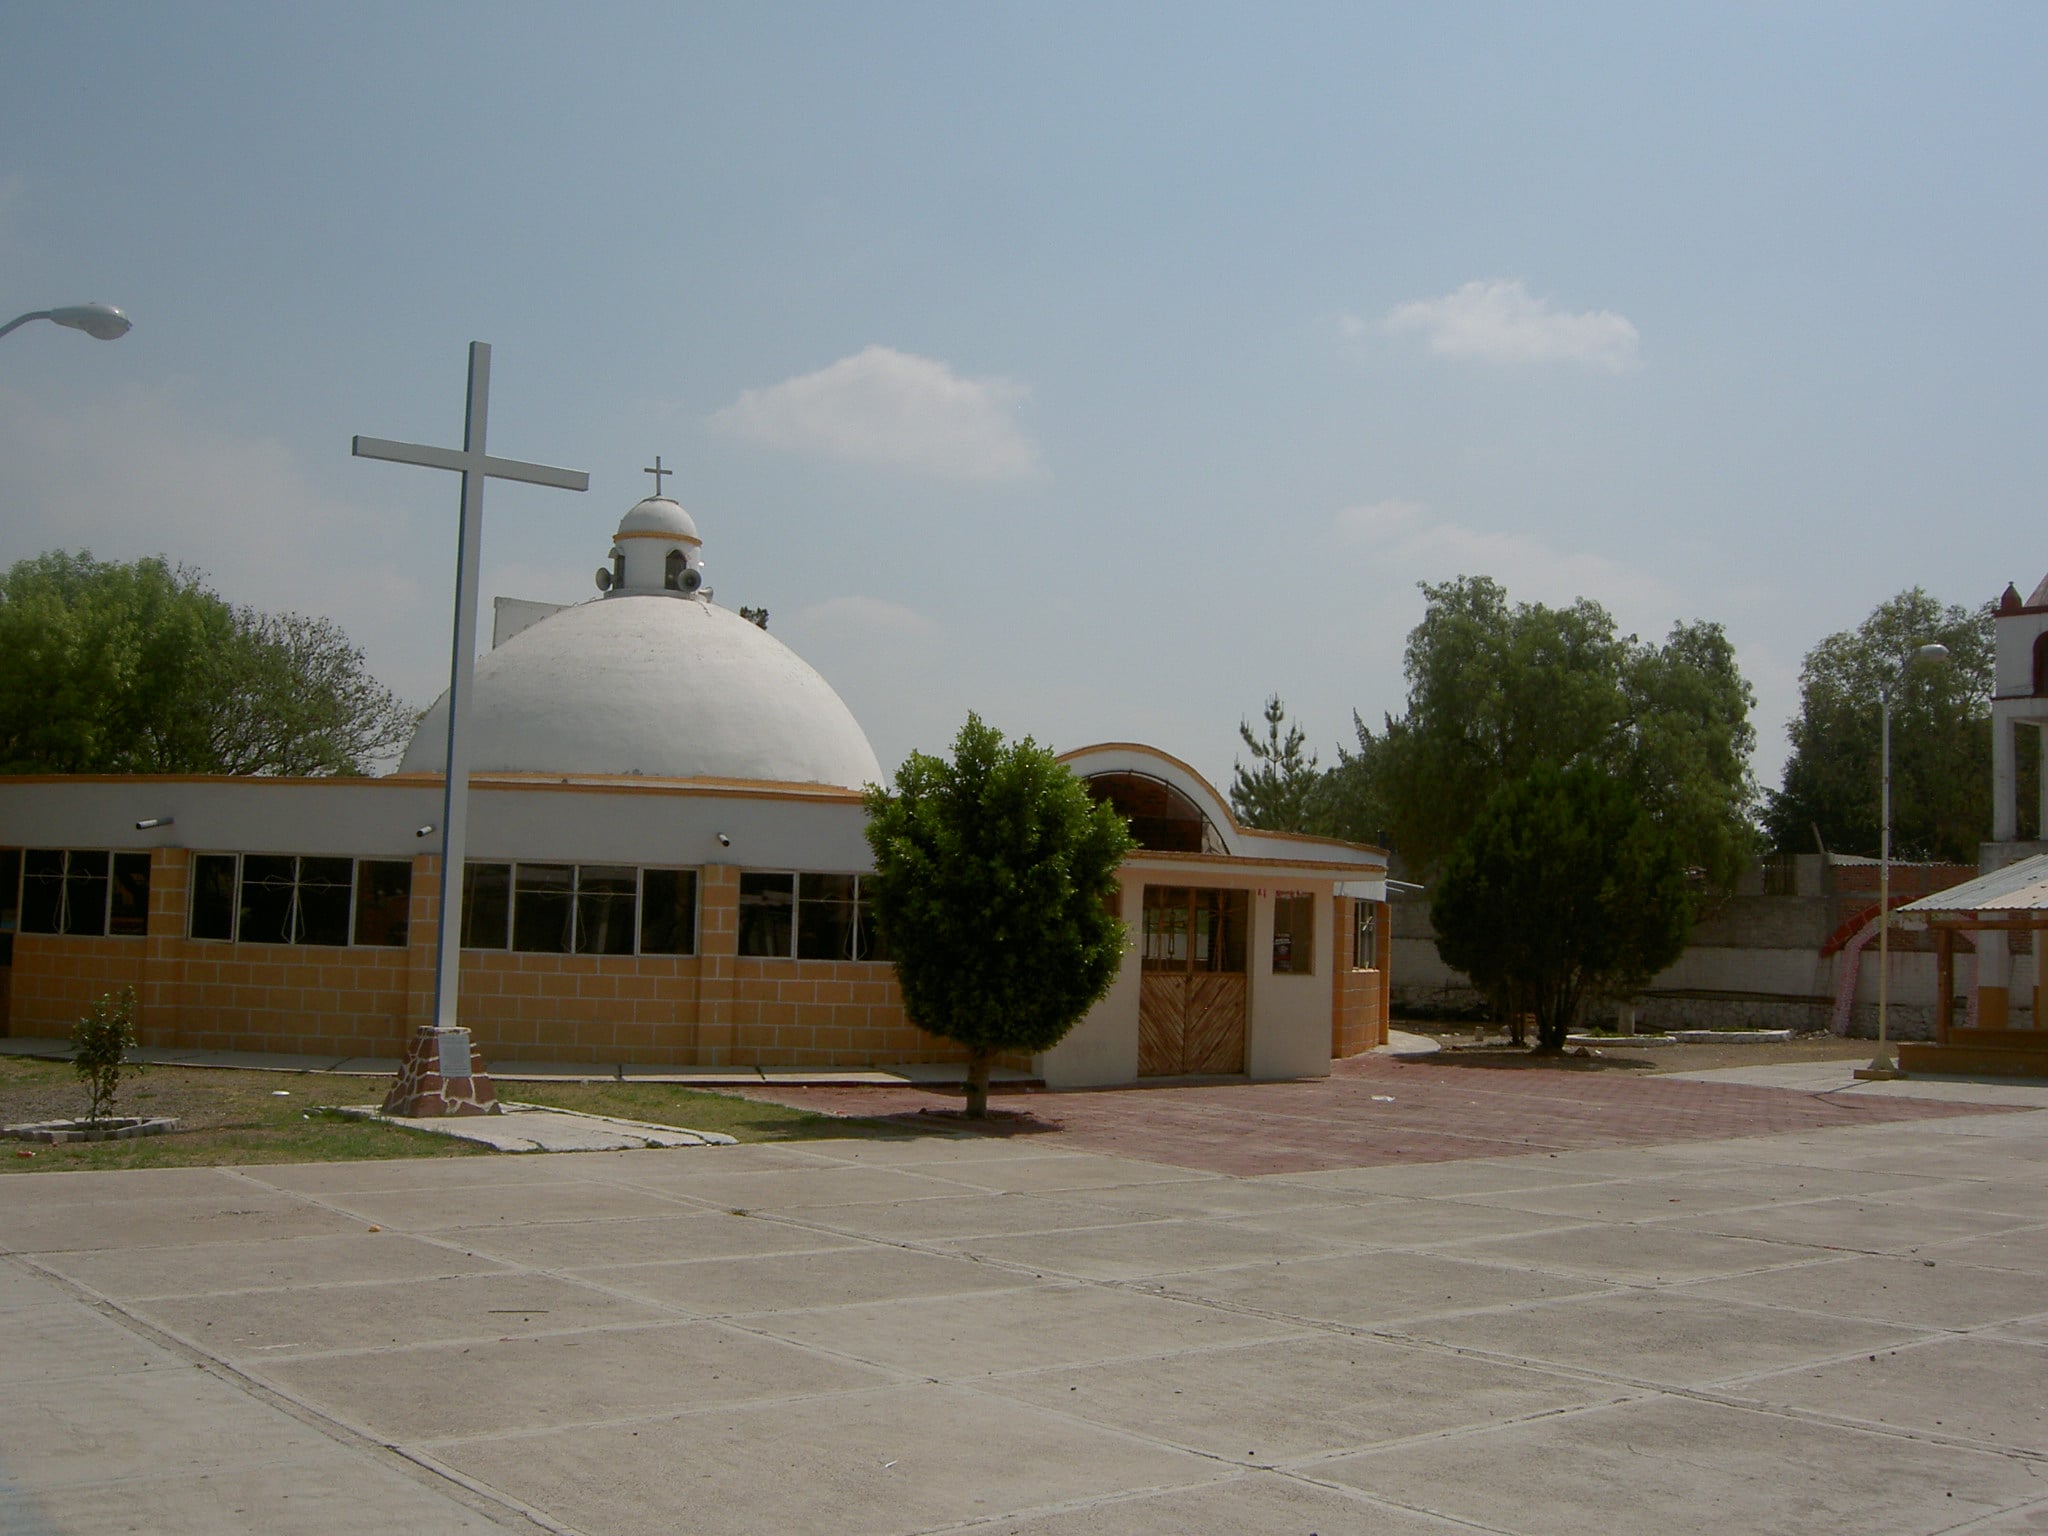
652, 679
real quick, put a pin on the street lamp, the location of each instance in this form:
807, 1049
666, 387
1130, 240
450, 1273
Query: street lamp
102, 322
1882, 1065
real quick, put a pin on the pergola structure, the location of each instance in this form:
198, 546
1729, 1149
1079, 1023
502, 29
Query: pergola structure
2006, 903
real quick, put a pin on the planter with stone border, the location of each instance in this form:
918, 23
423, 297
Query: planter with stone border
107, 1128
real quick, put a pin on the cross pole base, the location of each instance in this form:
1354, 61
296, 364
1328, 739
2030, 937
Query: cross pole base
441, 1075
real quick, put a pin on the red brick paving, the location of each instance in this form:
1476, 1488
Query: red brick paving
1374, 1109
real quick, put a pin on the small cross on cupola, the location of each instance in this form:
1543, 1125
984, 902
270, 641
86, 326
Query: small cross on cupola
657, 471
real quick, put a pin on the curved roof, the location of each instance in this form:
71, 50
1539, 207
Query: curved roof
655, 684
658, 517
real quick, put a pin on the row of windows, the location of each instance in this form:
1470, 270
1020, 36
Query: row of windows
579, 909
74, 890
808, 916
283, 898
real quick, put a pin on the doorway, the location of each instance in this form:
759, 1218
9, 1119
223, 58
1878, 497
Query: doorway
1192, 991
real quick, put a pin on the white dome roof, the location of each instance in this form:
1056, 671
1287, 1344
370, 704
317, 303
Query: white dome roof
656, 684
658, 517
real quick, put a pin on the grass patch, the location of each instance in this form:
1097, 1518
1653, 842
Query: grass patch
693, 1109
227, 1116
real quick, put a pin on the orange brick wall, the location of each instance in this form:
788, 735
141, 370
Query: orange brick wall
1359, 1000
710, 1009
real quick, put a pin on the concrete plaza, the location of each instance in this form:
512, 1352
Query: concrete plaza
1834, 1328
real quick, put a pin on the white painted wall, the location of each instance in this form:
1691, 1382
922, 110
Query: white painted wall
1103, 1047
1289, 1033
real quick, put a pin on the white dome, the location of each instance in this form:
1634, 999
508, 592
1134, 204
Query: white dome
655, 684
658, 517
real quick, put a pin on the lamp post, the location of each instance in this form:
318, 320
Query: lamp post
102, 322
1882, 1065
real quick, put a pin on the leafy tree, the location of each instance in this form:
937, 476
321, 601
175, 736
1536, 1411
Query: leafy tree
1495, 690
1941, 737
1275, 793
1565, 884
992, 873
143, 668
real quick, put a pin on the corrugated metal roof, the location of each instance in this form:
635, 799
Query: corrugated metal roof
2021, 887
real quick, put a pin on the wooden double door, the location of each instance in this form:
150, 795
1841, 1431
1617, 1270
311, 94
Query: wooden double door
1192, 993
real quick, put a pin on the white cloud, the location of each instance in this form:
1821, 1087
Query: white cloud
881, 406
1501, 322
1377, 520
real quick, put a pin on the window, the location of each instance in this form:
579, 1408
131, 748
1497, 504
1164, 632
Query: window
383, 901
1365, 935
668, 912
1193, 931
10, 901
83, 891
581, 909
286, 898
767, 913
1294, 933
833, 921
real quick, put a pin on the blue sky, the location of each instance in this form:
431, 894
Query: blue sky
1099, 368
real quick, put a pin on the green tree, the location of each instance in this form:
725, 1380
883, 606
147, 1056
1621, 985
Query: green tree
1941, 737
1564, 885
1275, 793
991, 888
143, 668
1497, 689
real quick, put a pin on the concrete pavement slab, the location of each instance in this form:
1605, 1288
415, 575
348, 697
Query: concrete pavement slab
1257, 1404
1987, 1391
964, 1216
864, 1464
544, 1200
1370, 1290
1922, 1292
1253, 1501
1684, 1468
796, 1188
128, 1274
2025, 1250
1637, 1255
958, 1338
61, 1341
2007, 1197
574, 1245
1662, 1337
598, 1376
1217, 1197
785, 1282
1141, 1250
246, 1214
1053, 1173
1855, 1225
1470, 1177
254, 1325
1393, 1221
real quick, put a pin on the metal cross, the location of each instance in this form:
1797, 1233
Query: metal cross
657, 471
475, 466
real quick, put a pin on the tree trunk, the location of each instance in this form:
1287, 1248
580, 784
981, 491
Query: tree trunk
977, 1085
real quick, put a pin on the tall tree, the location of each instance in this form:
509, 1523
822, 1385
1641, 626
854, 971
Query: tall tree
1496, 689
1941, 736
1565, 884
143, 668
991, 885
1275, 793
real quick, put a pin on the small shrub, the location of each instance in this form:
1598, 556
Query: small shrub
101, 1042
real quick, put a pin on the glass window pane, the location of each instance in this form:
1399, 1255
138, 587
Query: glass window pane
1165, 937
825, 917
10, 888
1219, 931
383, 901
604, 909
213, 896
42, 889
486, 905
1365, 949
85, 891
767, 904
129, 912
543, 908
268, 883
668, 912
1294, 917
324, 898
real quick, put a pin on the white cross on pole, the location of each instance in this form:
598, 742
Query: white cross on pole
474, 465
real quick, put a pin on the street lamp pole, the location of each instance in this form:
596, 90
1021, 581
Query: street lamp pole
1882, 1065
102, 322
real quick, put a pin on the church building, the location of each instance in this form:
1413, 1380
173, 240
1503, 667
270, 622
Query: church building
665, 868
